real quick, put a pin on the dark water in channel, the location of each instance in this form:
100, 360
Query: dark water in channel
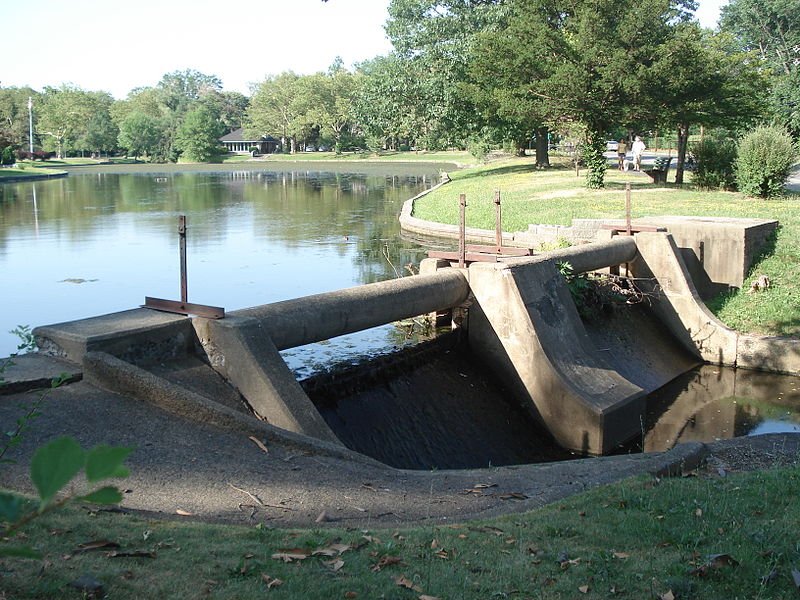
99, 242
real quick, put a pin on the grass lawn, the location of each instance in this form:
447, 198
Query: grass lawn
556, 196
642, 538
28, 172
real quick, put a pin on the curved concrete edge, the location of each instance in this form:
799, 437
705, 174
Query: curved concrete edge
663, 275
40, 177
525, 323
110, 373
242, 352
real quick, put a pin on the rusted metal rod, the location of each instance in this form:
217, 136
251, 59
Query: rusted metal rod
182, 236
498, 222
462, 231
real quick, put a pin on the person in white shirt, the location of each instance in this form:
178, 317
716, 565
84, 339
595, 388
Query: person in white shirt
637, 149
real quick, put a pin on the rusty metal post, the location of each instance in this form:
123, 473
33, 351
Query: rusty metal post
628, 208
462, 231
498, 222
182, 235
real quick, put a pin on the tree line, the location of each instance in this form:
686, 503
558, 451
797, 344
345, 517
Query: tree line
475, 74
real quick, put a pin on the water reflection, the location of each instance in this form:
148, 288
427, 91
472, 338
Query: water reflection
96, 243
712, 402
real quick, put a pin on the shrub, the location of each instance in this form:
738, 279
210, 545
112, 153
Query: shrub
479, 148
7, 156
765, 156
715, 158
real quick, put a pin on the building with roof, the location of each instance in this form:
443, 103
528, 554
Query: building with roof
236, 143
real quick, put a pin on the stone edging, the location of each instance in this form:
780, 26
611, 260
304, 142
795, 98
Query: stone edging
33, 177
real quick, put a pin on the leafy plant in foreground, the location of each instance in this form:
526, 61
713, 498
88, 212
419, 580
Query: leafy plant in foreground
53, 467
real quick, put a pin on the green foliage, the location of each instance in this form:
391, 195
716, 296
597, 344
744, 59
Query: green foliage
141, 134
479, 148
715, 159
8, 157
198, 136
765, 157
53, 467
593, 157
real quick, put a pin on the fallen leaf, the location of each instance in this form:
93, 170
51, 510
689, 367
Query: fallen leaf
583, 589
334, 565
270, 581
323, 516
185, 513
443, 554
350, 595
405, 582
292, 554
367, 486
621, 555
424, 597
511, 496
259, 443
387, 561
667, 596
96, 545
481, 486
796, 578
461, 536
369, 538
135, 554
487, 529
698, 512
722, 560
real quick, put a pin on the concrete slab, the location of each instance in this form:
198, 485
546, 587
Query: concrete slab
35, 371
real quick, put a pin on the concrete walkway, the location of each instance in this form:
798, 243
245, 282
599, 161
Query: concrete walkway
218, 474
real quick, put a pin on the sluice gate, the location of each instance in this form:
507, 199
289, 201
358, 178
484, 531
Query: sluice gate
517, 319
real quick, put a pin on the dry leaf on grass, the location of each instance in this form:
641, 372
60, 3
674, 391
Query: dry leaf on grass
583, 589
405, 582
185, 513
334, 565
288, 555
270, 581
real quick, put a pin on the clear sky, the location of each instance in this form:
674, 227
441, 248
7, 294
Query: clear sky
116, 46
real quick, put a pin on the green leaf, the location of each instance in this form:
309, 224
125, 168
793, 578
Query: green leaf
105, 495
54, 465
10, 507
103, 462
20, 552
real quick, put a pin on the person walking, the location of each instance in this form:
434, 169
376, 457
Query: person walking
622, 151
638, 149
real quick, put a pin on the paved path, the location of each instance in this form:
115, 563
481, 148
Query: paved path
221, 475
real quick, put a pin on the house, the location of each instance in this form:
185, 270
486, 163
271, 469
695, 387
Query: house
237, 143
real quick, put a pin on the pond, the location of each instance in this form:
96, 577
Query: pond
100, 240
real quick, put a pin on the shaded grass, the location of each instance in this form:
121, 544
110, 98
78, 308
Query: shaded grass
556, 196
28, 172
635, 539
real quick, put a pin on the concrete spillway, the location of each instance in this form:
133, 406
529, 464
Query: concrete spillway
585, 386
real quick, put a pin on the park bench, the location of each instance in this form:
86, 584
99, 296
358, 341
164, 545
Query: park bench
659, 169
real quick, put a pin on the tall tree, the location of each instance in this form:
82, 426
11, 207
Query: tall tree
435, 38
696, 81
198, 136
66, 114
140, 134
14, 122
275, 109
586, 61
329, 101
772, 29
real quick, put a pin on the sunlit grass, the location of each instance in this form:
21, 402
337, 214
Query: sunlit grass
556, 196
640, 538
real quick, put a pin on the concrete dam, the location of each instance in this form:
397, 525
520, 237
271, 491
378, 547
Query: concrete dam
520, 363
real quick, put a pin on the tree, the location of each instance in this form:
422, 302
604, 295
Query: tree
585, 61
14, 124
101, 135
435, 38
140, 134
276, 109
772, 29
66, 113
229, 108
198, 136
329, 101
697, 82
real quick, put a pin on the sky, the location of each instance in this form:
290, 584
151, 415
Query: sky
117, 46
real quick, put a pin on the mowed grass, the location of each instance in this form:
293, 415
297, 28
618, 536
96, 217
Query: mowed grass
556, 196
642, 538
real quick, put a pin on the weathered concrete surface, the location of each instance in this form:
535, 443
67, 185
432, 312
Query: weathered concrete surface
240, 349
139, 335
589, 257
300, 321
27, 372
665, 277
525, 325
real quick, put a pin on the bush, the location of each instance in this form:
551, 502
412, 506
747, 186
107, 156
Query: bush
7, 156
479, 148
715, 158
765, 156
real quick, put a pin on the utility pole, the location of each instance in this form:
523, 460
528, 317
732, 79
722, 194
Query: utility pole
30, 123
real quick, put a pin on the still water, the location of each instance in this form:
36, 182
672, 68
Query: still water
99, 242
